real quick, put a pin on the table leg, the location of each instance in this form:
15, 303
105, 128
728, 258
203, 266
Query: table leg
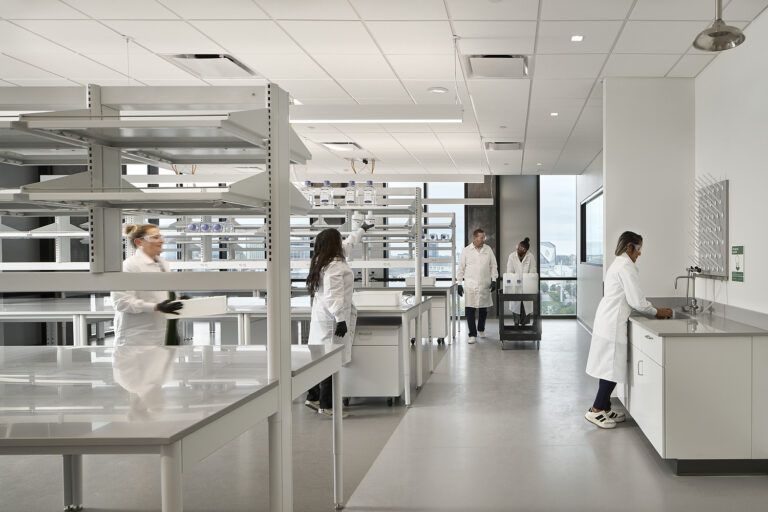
170, 478
73, 482
275, 465
240, 329
406, 349
338, 459
419, 353
246, 329
429, 341
79, 331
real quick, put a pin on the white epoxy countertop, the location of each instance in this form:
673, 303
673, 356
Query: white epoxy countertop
701, 325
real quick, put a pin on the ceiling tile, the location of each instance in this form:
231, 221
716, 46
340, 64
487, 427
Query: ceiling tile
166, 36
496, 10
658, 36
487, 37
17, 39
220, 9
673, 10
639, 65
539, 126
256, 82
382, 89
690, 65
143, 65
133, 10
502, 100
555, 36
363, 67
567, 66
585, 9
15, 70
308, 9
743, 10
413, 37
425, 67
290, 67
248, 36
38, 9
313, 89
82, 36
419, 91
561, 89
496, 46
54, 82
400, 9
331, 37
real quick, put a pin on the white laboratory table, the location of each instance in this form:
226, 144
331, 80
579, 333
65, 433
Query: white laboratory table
183, 403
82, 310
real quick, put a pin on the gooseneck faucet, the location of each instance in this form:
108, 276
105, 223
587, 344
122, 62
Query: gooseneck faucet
691, 304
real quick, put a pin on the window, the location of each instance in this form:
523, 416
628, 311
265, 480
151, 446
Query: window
557, 244
592, 249
443, 271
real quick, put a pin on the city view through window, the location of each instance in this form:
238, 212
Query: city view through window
557, 247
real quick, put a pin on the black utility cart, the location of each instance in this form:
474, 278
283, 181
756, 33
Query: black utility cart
528, 332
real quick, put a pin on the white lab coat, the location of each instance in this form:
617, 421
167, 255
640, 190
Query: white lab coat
515, 266
333, 302
477, 268
608, 351
136, 321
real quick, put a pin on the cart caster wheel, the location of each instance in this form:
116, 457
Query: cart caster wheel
345, 401
390, 401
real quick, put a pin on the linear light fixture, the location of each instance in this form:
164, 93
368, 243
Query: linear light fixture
376, 114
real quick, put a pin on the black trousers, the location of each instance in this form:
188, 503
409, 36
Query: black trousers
603, 398
323, 393
470, 312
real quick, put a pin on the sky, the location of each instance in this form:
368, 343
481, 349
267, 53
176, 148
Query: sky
558, 212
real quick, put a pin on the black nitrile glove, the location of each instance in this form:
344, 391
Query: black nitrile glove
170, 307
341, 329
493, 286
366, 226
460, 289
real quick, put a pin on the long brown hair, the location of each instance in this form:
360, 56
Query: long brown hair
135, 231
327, 248
625, 239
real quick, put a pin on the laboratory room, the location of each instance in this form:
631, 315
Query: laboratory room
426, 255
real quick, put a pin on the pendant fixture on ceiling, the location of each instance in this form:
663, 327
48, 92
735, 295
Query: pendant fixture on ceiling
719, 36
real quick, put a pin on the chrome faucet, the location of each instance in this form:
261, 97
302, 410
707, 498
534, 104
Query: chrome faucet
691, 304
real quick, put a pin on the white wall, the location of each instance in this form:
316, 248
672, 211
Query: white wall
648, 172
732, 143
518, 215
589, 287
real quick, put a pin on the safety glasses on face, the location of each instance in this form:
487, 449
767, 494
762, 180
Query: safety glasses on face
152, 238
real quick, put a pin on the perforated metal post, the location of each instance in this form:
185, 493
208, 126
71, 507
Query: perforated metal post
279, 298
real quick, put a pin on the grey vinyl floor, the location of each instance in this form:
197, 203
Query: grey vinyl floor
504, 431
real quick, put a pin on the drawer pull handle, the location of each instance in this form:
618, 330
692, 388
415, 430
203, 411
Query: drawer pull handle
640, 367
648, 337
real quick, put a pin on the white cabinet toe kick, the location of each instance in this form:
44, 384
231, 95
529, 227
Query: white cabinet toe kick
700, 401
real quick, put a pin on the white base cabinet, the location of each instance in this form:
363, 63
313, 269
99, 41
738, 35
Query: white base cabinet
693, 396
376, 369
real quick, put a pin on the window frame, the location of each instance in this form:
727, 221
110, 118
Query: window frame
583, 225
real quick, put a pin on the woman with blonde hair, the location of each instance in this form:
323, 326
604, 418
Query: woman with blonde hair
140, 315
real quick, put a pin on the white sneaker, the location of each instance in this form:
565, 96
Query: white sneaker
616, 416
481, 334
471, 340
600, 418
329, 413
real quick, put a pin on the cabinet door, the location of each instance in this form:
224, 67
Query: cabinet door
646, 396
708, 397
760, 397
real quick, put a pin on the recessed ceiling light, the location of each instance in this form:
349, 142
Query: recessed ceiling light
554, 114
577, 38
438, 90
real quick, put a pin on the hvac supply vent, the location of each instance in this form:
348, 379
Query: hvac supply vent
498, 66
211, 65
503, 146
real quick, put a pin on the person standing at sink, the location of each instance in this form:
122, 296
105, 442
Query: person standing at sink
608, 351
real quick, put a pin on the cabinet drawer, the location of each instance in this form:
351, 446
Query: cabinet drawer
366, 335
648, 342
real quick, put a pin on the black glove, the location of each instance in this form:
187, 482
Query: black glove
341, 329
460, 289
170, 307
493, 286
366, 226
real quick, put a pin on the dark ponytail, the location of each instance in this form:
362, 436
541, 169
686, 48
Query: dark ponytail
526, 243
625, 239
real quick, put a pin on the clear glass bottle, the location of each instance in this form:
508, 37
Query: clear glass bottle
326, 194
308, 192
350, 195
369, 194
